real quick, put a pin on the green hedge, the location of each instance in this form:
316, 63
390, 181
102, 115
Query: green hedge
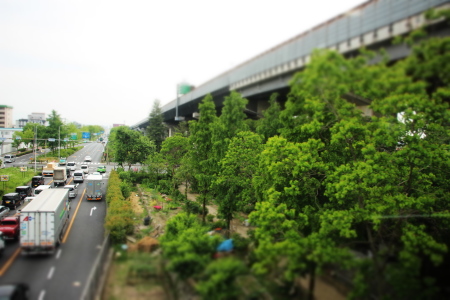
120, 217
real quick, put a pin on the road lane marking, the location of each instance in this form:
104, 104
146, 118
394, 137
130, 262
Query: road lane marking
50, 273
58, 254
41, 295
73, 218
94, 208
9, 261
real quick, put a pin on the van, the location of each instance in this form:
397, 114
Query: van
78, 176
37, 181
11, 200
24, 191
9, 158
40, 188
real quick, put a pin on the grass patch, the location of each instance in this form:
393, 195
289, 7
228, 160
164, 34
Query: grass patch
16, 178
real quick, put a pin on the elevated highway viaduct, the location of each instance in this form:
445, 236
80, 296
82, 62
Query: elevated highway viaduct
373, 24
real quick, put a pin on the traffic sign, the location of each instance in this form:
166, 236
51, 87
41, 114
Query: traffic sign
51, 139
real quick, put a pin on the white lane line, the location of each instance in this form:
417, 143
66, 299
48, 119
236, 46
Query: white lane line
41, 295
50, 273
58, 254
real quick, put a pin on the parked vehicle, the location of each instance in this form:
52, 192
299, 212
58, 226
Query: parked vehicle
9, 158
43, 222
48, 170
72, 165
37, 181
85, 169
101, 169
24, 191
73, 190
78, 176
10, 227
11, 200
59, 176
94, 187
40, 188
4, 211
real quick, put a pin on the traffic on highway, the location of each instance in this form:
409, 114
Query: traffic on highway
62, 273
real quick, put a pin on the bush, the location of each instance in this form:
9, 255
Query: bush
126, 189
219, 224
210, 218
193, 207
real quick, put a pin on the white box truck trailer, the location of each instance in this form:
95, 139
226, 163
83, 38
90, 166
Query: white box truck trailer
59, 176
94, 187
43, 222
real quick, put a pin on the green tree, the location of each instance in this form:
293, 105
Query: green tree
174, 149
55, 130
200, 152
220, 279
186, 245
130, 146
270, 124
237, 168
156, 130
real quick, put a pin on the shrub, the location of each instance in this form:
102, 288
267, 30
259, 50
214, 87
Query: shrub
192, 207
210, 218
125, 188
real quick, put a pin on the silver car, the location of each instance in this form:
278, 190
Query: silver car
4, 211
73, 190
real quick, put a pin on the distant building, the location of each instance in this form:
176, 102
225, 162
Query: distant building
6, 139
117, 125
6, 120
38, 118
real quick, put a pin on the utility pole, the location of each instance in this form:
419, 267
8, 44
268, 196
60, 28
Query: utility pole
59, 142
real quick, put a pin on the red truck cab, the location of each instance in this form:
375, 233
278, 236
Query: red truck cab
10, 226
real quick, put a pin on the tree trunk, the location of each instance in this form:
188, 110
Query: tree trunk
312, 282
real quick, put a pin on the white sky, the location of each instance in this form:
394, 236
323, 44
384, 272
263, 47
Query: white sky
99, 62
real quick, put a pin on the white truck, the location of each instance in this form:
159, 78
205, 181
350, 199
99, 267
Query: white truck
48, 169
60, 176
43, 222
94, 187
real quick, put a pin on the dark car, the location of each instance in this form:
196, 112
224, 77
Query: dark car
24, 191
37, 181
14, 291
11, 200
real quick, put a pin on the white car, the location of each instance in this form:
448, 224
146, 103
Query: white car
88, 158
4, 211
73, 190
96, 173
72, 165
85, 169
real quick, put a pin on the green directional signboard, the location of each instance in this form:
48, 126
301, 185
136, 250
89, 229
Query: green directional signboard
184, 88
73, 136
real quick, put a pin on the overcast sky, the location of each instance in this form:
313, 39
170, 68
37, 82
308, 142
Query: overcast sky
103, 62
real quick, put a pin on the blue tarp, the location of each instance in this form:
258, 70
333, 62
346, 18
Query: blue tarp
226, 246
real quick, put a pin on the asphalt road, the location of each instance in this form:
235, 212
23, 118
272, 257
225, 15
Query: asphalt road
63, 274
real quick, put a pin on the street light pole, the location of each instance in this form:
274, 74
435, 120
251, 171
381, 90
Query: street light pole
35, 146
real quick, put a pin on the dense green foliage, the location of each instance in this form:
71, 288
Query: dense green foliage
119, 220
360, 190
